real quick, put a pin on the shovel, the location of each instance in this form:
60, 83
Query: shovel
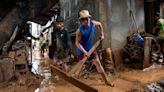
81, 62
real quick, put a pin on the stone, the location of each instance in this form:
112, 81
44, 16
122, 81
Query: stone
6, 69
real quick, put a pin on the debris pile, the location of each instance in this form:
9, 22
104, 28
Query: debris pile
156, 87
134, 48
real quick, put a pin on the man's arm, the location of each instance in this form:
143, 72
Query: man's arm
97, 23
77, 42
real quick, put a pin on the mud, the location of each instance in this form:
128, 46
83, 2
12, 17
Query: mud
124, 80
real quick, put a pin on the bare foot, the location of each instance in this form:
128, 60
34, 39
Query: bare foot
109, 84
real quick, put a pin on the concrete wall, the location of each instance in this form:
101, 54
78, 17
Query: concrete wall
119, 19
162, 9
70, 9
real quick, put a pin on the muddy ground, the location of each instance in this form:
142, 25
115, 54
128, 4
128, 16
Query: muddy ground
125, 80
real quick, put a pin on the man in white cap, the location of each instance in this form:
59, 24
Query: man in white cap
84, 41
159, 26
160, 30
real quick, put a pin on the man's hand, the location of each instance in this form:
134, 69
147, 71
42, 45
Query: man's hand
102, 37
86, 54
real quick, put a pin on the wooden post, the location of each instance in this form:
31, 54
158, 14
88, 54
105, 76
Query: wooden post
107, 59
147, 49
117, 57
103, 17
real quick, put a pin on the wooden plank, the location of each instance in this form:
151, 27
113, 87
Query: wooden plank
147, 49
72, 80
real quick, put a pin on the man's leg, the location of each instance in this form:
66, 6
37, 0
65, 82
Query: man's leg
65, 66
77, 73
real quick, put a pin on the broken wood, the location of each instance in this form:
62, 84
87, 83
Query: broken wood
72, 80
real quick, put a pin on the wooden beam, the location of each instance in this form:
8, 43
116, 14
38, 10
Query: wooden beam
147, 49
72, 80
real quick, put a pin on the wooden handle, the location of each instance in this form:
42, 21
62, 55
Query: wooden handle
81, 62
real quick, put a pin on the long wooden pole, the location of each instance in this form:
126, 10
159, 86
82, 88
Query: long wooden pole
72, 80
80, 63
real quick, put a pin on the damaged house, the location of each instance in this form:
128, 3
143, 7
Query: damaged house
130, 54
